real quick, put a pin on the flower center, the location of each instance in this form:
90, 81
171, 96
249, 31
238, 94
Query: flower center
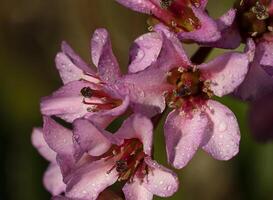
98, 100
177, 14
253, 17
129, 157
189, 90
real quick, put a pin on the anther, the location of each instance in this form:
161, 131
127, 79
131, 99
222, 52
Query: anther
86, 92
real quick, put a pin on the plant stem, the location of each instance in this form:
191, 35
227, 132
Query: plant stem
200, 55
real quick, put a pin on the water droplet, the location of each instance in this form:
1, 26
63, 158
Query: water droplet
222, 127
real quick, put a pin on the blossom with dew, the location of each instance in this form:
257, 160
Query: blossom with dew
107, 158
197, 120
251, 19
187, 18
87, 93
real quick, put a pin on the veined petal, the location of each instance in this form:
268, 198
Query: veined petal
184, 133
208, 31
53, 180
144, 51
136, 191
103, 57
91, 179
143, 6
138, 126
88, 138
40, 144
228, 71
58, 138
160, 180
225, 138
67, 102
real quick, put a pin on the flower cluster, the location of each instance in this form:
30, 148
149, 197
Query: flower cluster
85, 158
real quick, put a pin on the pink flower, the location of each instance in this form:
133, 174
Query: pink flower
53, 181
253, 19
197, 120
123, 156
187, 18
86, 93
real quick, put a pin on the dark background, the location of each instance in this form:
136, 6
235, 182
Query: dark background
30, 36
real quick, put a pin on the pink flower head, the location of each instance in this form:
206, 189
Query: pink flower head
253, 19
86, 93
53, 180
123, 156
187, 18
197, 120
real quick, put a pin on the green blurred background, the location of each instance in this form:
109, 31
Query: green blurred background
30, 36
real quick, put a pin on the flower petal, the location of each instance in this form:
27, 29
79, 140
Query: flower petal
144, 51
267, 57
228, 71
160, 180
142, 6
136, 191
137, 126
67, 102
257, 82
53, 180
184, 133
89, 138
208, 31
230, 36
71, 67
58, 138
91, 179
103, 57
224, 142
40, 144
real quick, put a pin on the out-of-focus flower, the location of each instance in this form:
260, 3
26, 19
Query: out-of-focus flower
187, 18
86, 93
197, 120
253, 19
123, 156
261, 118
53, 180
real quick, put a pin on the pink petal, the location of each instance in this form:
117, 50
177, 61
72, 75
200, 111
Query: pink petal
89, 138
103, 57
172, 46
53, 180
145, 90
61, 198
160, 181
137, 126
40, 144
71, 67
58, 138
144, 6
267, 57
144, 51
230, 36
67, 102
136, 191
257, 82
224, 142
183, 134
90, 180
208, 31
228, 71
